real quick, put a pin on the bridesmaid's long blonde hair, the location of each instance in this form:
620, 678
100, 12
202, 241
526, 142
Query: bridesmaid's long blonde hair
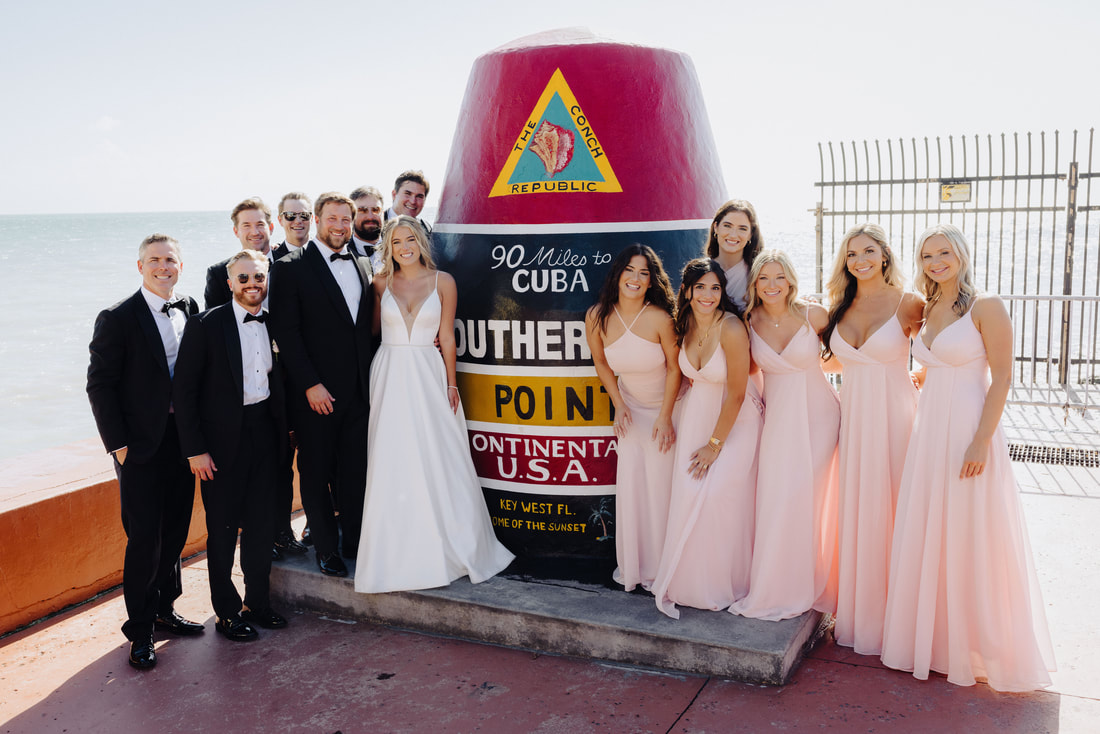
929, 288
795, 306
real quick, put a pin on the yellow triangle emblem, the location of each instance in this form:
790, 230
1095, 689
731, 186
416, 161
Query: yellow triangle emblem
557, 150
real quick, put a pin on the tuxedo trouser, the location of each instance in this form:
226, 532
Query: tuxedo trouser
332, 453
242, 496
156, 498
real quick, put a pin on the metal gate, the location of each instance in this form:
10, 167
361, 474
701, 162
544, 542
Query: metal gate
1025, 204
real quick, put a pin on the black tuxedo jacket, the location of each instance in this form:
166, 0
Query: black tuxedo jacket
317, 340
280, 251
129, 386
208, 389
217, 286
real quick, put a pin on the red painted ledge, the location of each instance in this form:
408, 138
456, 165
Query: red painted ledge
61, 539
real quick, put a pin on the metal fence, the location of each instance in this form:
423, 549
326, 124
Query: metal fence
1025, 203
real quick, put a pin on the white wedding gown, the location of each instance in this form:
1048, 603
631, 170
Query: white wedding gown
425, 523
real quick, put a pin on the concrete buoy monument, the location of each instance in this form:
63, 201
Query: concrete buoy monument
568, 148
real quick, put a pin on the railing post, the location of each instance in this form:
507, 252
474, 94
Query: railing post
1067, 278
819, 232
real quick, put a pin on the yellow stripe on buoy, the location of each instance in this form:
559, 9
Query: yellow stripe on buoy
535, 400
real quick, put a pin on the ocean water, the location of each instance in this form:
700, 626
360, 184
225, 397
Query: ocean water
58, 271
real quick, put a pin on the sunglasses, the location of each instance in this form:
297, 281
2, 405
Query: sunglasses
293, 216
258, 277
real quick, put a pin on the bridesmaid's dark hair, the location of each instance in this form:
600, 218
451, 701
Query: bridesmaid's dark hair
693, 272
756, 240
659, 292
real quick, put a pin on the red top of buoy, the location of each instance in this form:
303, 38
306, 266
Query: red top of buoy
563, 127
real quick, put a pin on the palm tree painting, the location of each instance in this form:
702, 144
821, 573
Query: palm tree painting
603, 516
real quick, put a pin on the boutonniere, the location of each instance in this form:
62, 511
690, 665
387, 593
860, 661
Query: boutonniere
274, 349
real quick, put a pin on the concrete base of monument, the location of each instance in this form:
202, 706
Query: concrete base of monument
564, 618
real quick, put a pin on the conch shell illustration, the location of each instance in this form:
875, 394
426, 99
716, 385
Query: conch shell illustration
554, 147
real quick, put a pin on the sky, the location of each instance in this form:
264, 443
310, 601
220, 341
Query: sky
138, 106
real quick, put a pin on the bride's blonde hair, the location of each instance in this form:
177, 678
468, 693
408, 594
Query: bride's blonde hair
404, 220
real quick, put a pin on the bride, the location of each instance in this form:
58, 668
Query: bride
424, 519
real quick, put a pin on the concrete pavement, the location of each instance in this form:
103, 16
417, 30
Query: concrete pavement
328, 674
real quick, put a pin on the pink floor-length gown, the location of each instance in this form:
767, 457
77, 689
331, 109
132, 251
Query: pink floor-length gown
877, 405
708, 547
793, 558
643, 479
964, 598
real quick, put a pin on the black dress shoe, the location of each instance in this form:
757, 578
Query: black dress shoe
287, 543
306, 538
266, 618
331, 565
236, 629
142, 654
173, 622
276, 554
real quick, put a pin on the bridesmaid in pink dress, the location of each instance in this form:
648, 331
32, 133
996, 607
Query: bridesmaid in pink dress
963, 599
734, 241
793, 558
871, 318
630, 332
708, 547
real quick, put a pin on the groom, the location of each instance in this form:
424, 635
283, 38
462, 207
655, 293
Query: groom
322, 307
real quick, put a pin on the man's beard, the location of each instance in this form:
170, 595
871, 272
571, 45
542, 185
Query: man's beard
369, 231
331, 240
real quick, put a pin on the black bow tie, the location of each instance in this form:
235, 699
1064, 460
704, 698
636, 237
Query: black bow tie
179, 303
250, 317
339, 256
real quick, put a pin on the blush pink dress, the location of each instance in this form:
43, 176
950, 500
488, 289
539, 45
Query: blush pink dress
963, 599
877, 405
737, 284
643, 479
793, 558
708, 547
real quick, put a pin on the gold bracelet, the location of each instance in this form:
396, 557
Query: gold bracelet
715, 444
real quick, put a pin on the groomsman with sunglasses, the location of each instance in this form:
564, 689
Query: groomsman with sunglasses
295, 215
229, 409
252, 225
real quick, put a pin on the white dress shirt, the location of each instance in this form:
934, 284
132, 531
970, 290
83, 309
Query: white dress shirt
347, 277
170, 325
255, 356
